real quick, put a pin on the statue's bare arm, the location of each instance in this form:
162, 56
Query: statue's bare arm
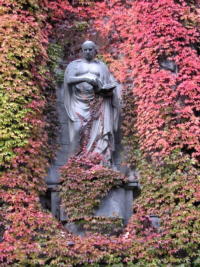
82, 78
72, 76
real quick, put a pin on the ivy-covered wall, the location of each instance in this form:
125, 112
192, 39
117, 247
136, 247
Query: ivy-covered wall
24, 149
161, 129
154, 50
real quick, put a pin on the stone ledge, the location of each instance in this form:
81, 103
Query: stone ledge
133, 185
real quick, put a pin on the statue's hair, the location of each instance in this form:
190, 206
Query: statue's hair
89, 42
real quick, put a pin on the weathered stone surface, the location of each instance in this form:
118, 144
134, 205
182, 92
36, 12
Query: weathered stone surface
117, 157
55, 202
62, 114
63, 215
133, 185
74, 228
168, 65
62, 155
155, 221
63, 136
118, 203
53, 176
60, 94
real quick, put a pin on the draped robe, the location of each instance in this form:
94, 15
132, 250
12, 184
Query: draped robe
104, 120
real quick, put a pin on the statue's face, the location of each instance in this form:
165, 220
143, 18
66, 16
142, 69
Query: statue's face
89, 51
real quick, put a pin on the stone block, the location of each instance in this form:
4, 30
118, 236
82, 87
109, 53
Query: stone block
55, 203
75, 229
129, 198
62, 114
60, 94
168, 65
63, 136
118, 203
53, 176
155, 221
62, 155
63, 215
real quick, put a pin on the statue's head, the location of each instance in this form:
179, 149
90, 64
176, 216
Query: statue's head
89, 49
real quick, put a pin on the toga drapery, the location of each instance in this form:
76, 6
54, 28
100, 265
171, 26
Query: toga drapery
90, 112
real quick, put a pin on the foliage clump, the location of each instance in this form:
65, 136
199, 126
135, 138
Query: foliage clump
84, 183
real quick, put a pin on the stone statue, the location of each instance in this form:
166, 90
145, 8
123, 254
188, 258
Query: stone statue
92, 102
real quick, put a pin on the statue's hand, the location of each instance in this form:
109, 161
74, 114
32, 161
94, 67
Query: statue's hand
91, 80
